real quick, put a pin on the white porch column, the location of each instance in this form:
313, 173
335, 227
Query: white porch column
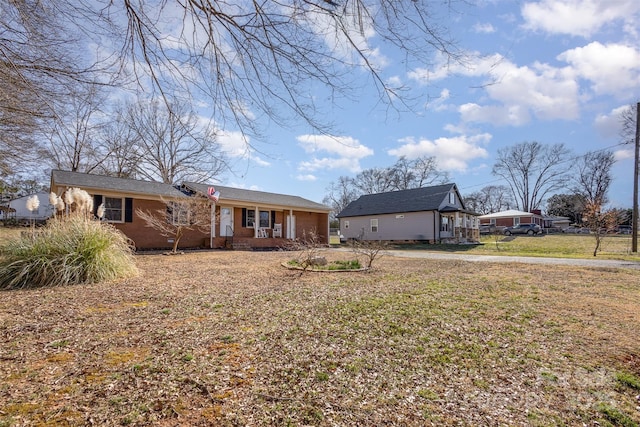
256, 222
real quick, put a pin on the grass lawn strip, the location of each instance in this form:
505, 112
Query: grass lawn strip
215, 338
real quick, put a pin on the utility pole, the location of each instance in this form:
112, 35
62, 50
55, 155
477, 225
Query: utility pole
634, 220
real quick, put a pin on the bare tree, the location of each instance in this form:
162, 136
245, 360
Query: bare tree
403, 175
73, 140
532, 170
423, 171
592, 182
172, 145
369, 249
177, 217
263, 54
244, 58
340, 194
490, 199
119, 142
40, 66
374, 180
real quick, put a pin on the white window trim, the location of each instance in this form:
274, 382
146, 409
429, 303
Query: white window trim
374, 224
122, 213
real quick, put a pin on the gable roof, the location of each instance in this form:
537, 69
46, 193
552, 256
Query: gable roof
90, 182
262, 198
509, 214
413, 200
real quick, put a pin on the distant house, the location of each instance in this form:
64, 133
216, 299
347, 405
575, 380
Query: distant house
244, 218
17, 209
513, 217
433, 214
557, 222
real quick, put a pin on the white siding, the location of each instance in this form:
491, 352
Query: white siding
400, 226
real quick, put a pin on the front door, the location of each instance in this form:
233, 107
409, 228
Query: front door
291, 226
446, 226
226, 221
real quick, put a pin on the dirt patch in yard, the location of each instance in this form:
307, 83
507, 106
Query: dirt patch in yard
229, 338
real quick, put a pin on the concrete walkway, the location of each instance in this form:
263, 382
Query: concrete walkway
595, 262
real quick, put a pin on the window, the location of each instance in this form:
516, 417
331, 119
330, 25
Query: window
492, 221
250, 218
444, 223
399, 216
178, 214
374, 225
516, 221
264, 219
452, 198
346, 224
113, 209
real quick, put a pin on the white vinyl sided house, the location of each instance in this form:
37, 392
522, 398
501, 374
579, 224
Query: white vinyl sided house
433, 214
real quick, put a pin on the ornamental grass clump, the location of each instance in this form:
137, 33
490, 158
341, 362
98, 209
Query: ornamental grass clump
70, 250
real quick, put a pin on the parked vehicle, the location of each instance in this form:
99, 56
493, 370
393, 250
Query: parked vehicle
576, 230
487, 228
624, 229
529, 229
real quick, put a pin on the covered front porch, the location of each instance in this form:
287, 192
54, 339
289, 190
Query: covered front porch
264, 227
459, 226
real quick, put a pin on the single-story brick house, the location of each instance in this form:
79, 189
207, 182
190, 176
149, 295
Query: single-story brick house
244, 219
434, 214
513, 217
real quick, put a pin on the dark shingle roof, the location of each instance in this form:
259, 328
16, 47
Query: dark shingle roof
414, 200
124, 185
258, 197
132, 186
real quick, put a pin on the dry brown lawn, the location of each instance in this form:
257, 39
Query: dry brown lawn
233, 338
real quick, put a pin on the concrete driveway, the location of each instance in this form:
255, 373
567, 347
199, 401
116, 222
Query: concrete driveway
594, 262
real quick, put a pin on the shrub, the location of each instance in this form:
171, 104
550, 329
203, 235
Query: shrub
70, 250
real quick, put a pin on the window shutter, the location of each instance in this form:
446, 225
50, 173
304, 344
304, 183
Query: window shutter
244, 217
97, 201
128, 209
273, 218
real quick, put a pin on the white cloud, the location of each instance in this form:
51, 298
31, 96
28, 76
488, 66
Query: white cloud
452, 154
484, 28
237, 146
515, 93
344, 152
612, 69
624, 154
609, 125
307, 177
474, 65
498, 115
577, 17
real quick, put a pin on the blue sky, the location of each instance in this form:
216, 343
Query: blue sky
552, 71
